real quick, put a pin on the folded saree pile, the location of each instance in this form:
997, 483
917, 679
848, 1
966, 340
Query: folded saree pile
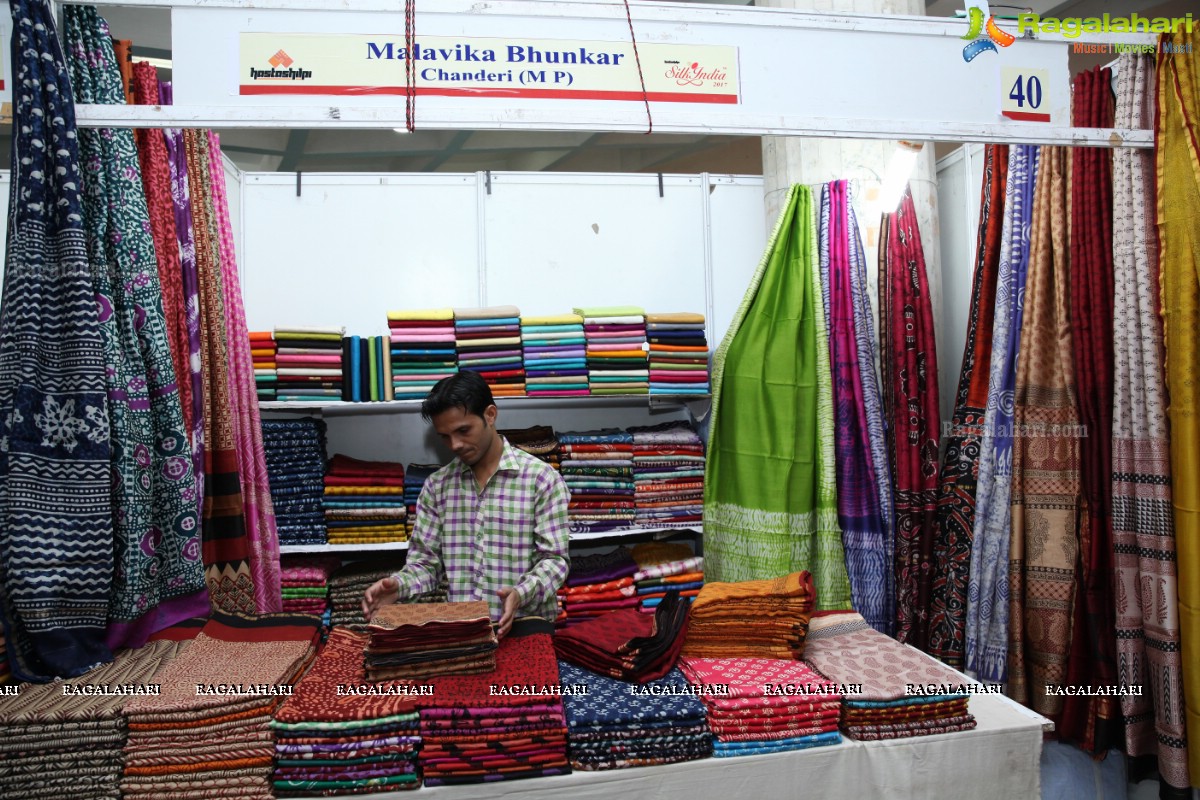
597, 467
617, 724
678, 353
56, 745
364, 501
5, 670
615, 340
668, 475
555, 356
765, 705
598, 583
845, 649
296, 472
367, 376
340, 734
539, 441
350, 583
262, 355
308, 364
423, 350
413, 641
627, 644
414, 481
304, 581
208, 734
489, 342
751, 619
666, 566
502, 725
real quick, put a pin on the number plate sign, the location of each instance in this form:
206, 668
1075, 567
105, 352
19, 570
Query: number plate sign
1022, 92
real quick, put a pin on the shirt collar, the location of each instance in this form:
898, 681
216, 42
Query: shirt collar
508, 459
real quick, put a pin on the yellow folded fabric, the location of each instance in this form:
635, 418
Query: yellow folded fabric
435, 314
609, 311
490, 312
679, 316
553, 319
616, 353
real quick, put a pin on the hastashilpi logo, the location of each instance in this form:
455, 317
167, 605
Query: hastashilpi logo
989, 30
280, 70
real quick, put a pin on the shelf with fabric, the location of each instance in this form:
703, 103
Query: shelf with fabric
698, 404
584, 536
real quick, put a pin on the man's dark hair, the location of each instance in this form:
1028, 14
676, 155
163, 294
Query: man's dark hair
466, 390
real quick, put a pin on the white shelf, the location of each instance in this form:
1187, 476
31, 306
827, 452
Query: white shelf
341, 548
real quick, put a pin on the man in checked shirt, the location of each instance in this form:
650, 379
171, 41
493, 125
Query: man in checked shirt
493, 521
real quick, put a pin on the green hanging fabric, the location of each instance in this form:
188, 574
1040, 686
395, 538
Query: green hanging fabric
770, 497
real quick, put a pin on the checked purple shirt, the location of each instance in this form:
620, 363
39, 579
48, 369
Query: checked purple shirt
513, 533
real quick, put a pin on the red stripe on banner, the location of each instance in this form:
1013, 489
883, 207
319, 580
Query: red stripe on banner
1027, 116
559, 94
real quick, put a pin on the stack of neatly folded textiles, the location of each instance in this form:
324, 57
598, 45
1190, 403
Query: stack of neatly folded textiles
626, 644
368, 369
413, 641
617, 724
5, 670
751, 619
350, 582
304, 580
597, 584
663, 566
555, 356
194, 742
423, 350
538, 441
262, 354
309, 364
414, 481
598, 469
767, 706
678, 354
473, 733
844, 648
339, 734
295, 452
364, 501
489, 342
668, 475
616, 350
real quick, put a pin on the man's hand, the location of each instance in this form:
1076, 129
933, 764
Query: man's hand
381, 593
511, 601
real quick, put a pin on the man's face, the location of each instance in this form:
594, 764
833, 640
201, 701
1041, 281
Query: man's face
469, 436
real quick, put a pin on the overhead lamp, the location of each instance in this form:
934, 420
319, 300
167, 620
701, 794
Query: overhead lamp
895, 179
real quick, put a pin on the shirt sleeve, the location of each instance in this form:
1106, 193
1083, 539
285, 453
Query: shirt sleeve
549, 566
422, 570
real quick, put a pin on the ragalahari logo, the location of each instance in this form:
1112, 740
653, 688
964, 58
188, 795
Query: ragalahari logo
280, 59
989, 30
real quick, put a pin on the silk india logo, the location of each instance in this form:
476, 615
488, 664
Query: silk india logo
991, 32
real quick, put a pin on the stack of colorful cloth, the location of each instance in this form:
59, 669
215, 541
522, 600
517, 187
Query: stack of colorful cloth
616, 350
489, 342
767, 706
555, 356
209, 732
368, 373
752, 619
262, 354
364, 501
844, 648
678, 353
309, 364
351, 581
413, 641
597, 584
296, 472
627, 644
618, 724
57, 743
423, 350
598, 469
668, 475
666, 566
501, 725
414, 480
339, 734
539, 441
304, 580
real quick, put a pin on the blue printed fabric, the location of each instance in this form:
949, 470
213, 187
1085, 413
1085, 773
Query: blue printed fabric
612, 702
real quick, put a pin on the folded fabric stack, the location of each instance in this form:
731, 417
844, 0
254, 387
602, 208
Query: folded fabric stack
216, 740
472, 733
339, 734
766, 705
364, 501
262, 354
618, 725
598, 469
304, 580
844, 648
555, 356
626, 644
489, 342
597, 584
5, 669
410, 641
751, 619
351, 581
368, 373
296, 472
414, 481
668, 475
616, 349
309, 364
539, 441
423, 352
666, 566
53, 745
678, 353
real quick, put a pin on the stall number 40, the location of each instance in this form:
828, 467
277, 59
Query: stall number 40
1027, 91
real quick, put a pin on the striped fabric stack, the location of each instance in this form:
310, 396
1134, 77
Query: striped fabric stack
414, 481
555, 356
351, 581
5, 669
368, 369
663, 566
668, 474
678, 353
364, 501
616, 350
262, 353
304, 582
309, 364
598, 469
489, 342
423, 350
295, 469
539, 441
